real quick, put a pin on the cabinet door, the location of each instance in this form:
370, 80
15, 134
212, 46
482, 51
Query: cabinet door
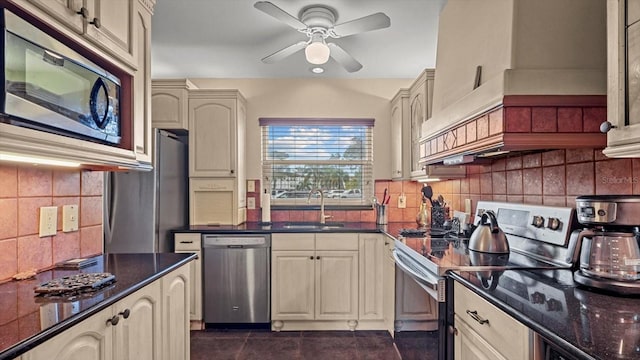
138, 333
64, 11
389, 282
468, 345
400, 136
92, 340
212, 137
169, 106
191, 243
141, 80
211, 201
114, 29
292, 285
417, 118
175, 315
371, 259
336, 277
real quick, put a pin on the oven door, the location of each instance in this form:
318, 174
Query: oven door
427, 280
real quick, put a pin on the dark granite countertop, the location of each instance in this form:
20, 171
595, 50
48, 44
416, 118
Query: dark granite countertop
586, 323
22, 321
392, 228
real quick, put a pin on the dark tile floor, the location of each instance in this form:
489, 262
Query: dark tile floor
330, 345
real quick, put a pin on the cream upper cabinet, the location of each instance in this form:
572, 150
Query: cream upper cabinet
400, 136
142, 142
65, 11
485, 332
314, 277
192, 243
169, 103
371, 256
623, 70
216, 133
420, 104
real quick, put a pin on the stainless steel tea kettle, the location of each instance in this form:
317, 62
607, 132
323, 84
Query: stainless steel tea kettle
488, 237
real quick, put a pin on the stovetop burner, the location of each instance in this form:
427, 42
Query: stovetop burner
75, 284
423, 232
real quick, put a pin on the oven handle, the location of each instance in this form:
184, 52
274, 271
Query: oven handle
430, 283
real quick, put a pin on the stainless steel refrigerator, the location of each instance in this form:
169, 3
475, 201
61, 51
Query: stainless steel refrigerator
142, 207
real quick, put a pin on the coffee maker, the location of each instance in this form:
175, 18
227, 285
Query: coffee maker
610, 251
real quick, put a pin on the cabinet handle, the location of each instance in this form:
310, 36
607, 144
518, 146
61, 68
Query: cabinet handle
96, 23
317, 257
186, 242
84, 12
113, 320
232, 171
474, 315
125, 314
311, 257
453, 331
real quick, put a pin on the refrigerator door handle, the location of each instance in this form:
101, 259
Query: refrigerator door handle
110, 191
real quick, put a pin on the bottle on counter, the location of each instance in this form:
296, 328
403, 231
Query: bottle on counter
424, 217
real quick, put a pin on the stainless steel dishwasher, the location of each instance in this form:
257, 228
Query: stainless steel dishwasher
236, 278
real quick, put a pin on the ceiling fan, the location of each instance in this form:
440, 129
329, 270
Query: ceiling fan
318, 23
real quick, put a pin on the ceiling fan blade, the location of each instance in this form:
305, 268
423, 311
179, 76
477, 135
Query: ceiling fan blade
363, 24
283, 53
344, 58
270, 9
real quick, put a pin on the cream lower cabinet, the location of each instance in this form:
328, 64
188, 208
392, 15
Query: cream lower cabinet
414, 308
150, 324
127, 330
371, 258
389, 288
314, 277
192, 243
482, 331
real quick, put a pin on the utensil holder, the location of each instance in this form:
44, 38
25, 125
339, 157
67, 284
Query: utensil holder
381, 214
437, 217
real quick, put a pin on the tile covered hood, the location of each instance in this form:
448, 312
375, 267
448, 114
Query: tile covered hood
517, 75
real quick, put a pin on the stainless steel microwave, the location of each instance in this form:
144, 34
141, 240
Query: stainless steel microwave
48, 86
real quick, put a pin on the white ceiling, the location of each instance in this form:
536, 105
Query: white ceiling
227, 39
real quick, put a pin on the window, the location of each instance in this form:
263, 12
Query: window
335, 155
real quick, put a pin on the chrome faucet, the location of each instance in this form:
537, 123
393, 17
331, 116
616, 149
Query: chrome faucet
323, 217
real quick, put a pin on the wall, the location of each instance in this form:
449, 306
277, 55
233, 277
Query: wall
23, 190
355, 98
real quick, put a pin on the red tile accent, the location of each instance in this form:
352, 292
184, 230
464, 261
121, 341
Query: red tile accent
296, 215
8, 181
496, 122
8, 219
544, 119
254, 215
307, 215
8, 258
570, 119
598, 155
367, 216
614, 177
554, 200
514, 162
531, 160
554, 157
395, 188
533, 199
593, 117
353, 216
518, 199
464, 185
380, 185
514, 182
495, 197
91, 240
66, 246
279, 215
580, 179
532, 181
471, 130
499, 180
66, 183
553, 180
635, 163
34, 181
579, 155
483, 127
413, 200
485, 184
410, 187
90, 210
92, 183
499, 165
35, 253
474, 185
29, 214
455, 186
518, 119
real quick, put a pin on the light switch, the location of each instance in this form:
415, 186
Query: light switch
48, 220
251, 186
70, 218
251, 203
402, 201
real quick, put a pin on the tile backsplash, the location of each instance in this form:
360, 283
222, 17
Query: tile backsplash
23, 190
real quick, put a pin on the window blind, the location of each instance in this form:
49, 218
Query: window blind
334, 155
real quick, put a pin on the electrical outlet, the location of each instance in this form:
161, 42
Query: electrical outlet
70, 218
251, 203
402, 201
48, 220
251, 186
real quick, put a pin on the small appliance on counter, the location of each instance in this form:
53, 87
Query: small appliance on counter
610, 251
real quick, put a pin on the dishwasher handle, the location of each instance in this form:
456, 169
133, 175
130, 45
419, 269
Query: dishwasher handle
235, 242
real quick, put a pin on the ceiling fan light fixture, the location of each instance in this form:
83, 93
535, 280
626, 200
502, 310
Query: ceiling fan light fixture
317, 70
317, 53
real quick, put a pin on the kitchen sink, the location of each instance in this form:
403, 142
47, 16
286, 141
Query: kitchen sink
313, 226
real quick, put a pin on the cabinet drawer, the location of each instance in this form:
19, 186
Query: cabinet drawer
188, 241
336, 241
211, 184
500, 326
298, 241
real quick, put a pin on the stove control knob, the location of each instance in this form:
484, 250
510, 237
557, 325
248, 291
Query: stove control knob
554, 305
538, 298
553, 223
538, 221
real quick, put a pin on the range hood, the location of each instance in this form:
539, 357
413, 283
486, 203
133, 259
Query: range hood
439, 172
517, 75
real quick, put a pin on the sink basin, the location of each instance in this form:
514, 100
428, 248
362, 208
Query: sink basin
312, 225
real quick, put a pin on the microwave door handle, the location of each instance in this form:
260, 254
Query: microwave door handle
427, 280
52, 58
